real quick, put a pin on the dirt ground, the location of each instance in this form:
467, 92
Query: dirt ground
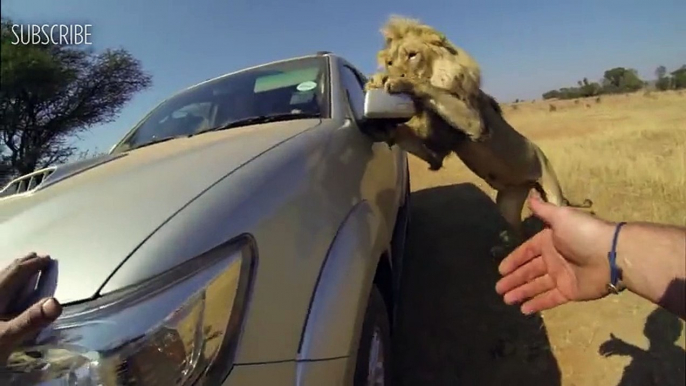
626, 153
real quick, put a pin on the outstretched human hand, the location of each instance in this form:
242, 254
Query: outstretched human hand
14, 329
564, 262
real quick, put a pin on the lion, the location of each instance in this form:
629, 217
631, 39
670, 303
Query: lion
455, 115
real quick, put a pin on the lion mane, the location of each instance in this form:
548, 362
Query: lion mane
445, 64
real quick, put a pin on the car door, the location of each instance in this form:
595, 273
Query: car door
379, 183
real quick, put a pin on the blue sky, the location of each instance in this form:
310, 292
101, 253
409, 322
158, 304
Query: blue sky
524, 47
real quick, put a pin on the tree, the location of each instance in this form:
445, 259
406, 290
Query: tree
50, 94
620, 79
631, 81
5, 167
660, 72
663, 81
614, 76
584, 89
88, 154
589, 89
552, 94
679, 78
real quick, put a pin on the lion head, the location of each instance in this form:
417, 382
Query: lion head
415, 49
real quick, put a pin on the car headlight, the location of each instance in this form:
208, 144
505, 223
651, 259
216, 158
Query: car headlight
179, 328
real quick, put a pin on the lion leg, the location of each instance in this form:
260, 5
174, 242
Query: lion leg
381, 134
453, 110
410, 142
550, 189
510, 202
549, 186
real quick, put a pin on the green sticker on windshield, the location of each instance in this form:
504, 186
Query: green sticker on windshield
306, 86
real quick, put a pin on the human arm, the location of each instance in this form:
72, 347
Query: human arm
652, 259
569, 261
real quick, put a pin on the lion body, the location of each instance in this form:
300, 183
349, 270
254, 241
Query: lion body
480, 136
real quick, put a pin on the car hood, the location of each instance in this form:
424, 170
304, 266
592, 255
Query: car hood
93, 217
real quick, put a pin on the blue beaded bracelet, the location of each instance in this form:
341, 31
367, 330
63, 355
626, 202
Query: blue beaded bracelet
615, 286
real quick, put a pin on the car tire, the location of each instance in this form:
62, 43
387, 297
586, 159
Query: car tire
375, 342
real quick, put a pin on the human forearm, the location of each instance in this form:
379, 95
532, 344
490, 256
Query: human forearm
652, 259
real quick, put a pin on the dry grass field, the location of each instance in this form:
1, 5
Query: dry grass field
625, 152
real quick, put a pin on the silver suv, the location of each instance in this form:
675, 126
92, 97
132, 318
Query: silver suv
246, 232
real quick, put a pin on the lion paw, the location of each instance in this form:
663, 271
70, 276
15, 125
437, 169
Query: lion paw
509, 240
498, 252
376, 81
434, 166
480, 137
398, 86
505, 237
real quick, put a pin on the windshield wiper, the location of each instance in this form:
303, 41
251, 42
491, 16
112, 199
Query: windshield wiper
260, 119
240, 122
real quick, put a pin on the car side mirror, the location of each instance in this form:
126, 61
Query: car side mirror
378, 104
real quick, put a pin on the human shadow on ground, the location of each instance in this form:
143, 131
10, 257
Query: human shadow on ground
452, 327
663, 363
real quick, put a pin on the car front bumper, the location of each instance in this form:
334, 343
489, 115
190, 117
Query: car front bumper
329, 372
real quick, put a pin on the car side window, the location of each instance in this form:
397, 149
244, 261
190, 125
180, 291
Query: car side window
354, 89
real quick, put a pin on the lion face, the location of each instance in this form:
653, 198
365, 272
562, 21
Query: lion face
416, 50
408, 56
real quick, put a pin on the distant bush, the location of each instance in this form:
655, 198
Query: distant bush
663, 84
620, 80
678, 78
552, 108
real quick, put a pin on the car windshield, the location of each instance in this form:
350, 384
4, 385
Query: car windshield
288, 90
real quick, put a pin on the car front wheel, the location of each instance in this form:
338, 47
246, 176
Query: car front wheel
374, 351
